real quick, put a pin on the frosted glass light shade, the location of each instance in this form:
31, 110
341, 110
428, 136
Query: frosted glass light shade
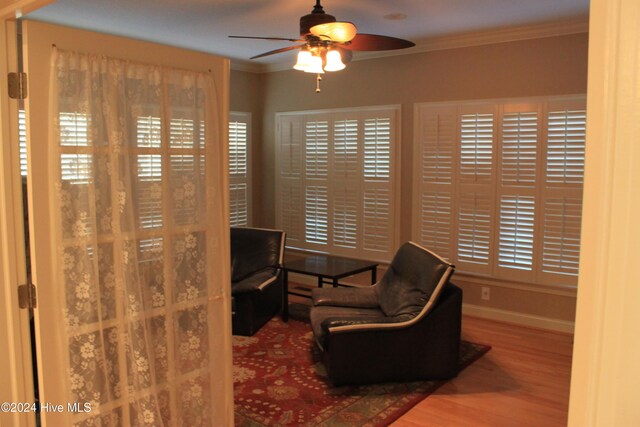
304, 58
315, 65
334, 61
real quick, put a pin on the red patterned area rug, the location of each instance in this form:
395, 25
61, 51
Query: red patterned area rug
279, 381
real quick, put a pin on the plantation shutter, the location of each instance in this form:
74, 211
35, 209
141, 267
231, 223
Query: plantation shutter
435, 159
335, 182
316, 198
510, 207
518, 168
377, 208
562, 192
477, 171
347, 193
289, 203
239, 178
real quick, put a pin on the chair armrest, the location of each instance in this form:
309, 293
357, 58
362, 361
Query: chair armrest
257, 281
345, 297
334, 322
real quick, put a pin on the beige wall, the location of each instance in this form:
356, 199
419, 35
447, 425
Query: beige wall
539, 67
246, 95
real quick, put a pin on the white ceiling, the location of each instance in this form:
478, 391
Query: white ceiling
204, 25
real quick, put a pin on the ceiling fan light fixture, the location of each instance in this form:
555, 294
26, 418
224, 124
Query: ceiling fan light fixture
334, 61
315, 65
303, 61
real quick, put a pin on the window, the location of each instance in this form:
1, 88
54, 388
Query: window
498, 186
239, 169
336, 184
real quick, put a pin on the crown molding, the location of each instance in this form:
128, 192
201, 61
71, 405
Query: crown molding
565, 27
493, 36
247, 66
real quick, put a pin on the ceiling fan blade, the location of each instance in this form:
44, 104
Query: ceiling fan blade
273, 52
266, 38
335, 31
377, 42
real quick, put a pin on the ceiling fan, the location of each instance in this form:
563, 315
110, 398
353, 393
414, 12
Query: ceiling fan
325, 43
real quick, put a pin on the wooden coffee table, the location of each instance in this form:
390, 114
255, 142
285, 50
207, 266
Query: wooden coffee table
328, 269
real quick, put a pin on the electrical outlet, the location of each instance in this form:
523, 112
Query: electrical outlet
485, 293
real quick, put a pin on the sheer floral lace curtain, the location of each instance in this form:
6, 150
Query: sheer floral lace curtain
140, 227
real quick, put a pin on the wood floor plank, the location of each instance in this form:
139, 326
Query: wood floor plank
523, 381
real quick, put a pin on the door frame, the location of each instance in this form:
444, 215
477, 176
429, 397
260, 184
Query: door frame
15, 336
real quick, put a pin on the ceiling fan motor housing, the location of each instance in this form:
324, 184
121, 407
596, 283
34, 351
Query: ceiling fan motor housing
316, 17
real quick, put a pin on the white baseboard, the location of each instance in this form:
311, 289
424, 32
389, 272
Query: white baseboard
519, 318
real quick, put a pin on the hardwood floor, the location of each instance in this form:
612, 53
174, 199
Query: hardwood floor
522, 381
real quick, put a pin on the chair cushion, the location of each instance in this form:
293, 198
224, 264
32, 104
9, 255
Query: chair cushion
364, 297
414, 278
321, 313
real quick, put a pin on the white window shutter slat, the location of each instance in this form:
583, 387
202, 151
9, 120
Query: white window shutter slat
76, 168
345, 216
239, 204
436, 222
377, 148
566, 130
316, 149
238, 148
239, 169
517, 216
148, 132
148, 194
345, 150
185, 201
476, 148
439, 132
182, 133
316, 214
518, 163
291, 146
291, 214
376, 219
561, 248
474, 228
74, 129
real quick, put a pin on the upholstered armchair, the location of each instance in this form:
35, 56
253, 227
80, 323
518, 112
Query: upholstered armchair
256, 277
404, 328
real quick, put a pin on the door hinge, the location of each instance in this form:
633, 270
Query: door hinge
17, 85
27, 296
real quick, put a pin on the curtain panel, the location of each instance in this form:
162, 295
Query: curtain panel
140, 228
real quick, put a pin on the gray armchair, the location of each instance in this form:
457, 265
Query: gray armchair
405, 328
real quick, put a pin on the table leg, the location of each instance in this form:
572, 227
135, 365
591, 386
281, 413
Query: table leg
320, 281
374, 275
285, 296
335, 283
